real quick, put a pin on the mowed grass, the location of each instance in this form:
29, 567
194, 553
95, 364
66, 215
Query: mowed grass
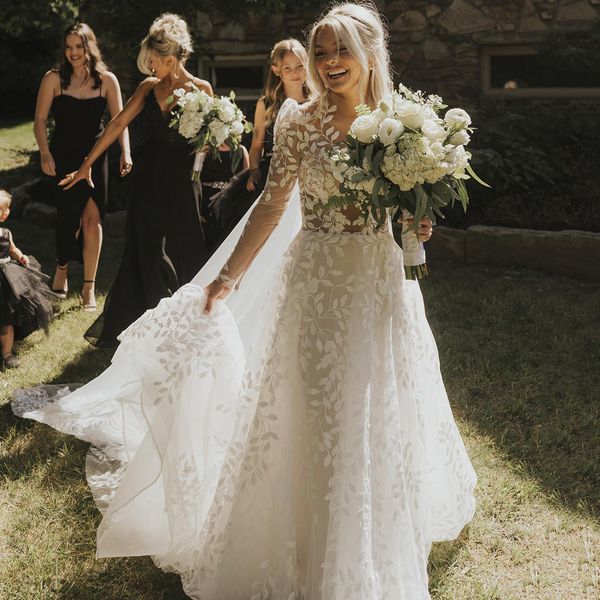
519, 351
17, 144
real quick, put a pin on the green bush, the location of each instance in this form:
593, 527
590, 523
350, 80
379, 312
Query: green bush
540, 157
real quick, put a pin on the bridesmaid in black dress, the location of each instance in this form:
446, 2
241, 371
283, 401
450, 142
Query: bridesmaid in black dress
165, 245
216, 175
287, 79
77, 94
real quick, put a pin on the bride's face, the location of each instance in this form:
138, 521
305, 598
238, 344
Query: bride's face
337, 68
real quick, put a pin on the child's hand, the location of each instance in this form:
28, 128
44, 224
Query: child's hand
24, 260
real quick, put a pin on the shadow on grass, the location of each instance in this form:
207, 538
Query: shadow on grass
15, 176
520, 353
145, 582
441, 559
31, 443
54, 461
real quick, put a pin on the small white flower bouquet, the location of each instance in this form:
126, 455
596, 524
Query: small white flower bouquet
209, 122
403, 156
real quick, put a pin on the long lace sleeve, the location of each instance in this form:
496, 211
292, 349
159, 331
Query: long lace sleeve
283, 174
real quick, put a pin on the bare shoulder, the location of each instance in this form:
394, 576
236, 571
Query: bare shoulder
203, 85
147, 84
51, 78
109, 78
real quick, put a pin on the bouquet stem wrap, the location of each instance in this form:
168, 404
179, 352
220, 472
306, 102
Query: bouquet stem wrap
197, 168
415, 265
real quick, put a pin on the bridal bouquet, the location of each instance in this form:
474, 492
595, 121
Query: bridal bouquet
404, 157
208, 122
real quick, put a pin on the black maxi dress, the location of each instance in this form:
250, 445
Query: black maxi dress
164, 240
229, 205
78, 124
216, 174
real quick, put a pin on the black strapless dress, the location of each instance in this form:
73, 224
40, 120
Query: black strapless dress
215, 176
78, 124
164, 240
25, 299
229, 205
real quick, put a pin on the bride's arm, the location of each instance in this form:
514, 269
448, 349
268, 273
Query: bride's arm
283, 174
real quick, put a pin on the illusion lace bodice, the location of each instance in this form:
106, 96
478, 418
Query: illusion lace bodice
304, 139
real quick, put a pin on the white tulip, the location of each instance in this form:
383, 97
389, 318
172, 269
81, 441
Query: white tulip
386, 105
390, 130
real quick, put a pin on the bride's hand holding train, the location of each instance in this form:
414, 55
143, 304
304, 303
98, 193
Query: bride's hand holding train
217, 290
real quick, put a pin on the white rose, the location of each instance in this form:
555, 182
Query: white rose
433, 131
365, 128
410, 113
219, 131
226, 110
458, 159
460, 138
457, 116
390, 130
237, 128
437, 151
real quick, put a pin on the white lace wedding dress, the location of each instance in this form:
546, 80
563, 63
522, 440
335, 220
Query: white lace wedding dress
296, 443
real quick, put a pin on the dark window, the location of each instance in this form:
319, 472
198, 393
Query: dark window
248, 77
530, 71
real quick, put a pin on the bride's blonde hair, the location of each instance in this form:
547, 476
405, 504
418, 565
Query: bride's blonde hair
274, 94
359, 28
168, 36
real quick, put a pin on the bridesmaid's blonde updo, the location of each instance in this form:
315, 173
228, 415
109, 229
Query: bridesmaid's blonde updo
168, 36
358, 27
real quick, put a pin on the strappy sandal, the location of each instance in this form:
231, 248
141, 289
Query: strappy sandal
61, 292
89, 306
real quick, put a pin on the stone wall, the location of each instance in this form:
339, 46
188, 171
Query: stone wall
435, 44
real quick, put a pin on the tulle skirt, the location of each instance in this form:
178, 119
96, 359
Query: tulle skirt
25, 299
319, 464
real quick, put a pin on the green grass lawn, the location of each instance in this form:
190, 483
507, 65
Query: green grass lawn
17, 160
519, 352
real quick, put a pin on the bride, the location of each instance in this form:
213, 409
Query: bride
295, 441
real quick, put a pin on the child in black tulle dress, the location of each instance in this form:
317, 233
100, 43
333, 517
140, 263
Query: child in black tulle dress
25, 304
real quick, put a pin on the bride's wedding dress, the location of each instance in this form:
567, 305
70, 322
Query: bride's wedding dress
297, 442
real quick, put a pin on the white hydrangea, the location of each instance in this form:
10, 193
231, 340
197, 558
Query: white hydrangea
190, 123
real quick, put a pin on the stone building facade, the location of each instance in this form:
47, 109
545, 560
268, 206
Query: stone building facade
450, 47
